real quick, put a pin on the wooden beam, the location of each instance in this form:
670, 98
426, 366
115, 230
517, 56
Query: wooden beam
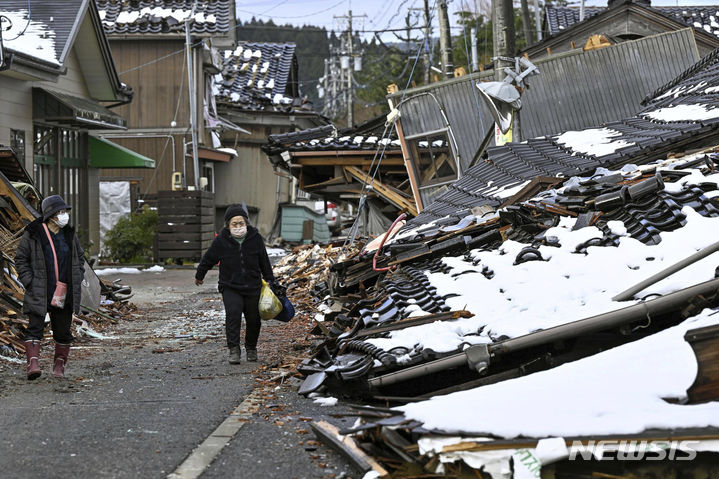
385, 192
408, 166
347, 446
343, 161
334, 153
340, 180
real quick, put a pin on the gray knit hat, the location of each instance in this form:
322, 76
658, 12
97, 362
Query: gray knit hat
51, 205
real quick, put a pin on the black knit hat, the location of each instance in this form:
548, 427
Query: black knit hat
235, 210
53, 204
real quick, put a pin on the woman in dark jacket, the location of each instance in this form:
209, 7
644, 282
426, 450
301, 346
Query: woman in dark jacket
243, 259
36, 269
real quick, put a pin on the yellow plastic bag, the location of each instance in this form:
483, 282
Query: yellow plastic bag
269, 305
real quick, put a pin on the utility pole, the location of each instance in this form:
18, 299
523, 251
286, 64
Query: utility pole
427, 40
503, 26
527, 23
537, 20
445, 40
193, 107
350, 89
349, 53
475, 55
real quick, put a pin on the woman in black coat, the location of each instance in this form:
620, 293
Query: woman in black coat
243, 259
35, 265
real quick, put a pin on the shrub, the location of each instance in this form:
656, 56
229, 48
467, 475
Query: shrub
132, 238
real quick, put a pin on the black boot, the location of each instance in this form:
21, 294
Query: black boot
235, 355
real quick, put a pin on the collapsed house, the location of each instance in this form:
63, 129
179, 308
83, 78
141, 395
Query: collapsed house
335, 165
515, 297
102, 302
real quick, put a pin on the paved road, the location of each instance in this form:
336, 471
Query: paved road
138, 403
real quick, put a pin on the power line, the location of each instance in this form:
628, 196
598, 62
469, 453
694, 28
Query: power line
292, 17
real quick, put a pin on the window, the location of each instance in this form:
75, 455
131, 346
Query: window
207, 171
17, 143
433, 158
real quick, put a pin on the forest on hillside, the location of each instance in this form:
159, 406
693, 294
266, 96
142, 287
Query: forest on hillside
383, 62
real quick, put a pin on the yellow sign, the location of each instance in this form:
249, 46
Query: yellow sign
502, 138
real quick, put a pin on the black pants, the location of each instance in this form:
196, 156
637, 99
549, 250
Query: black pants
236, 304
61, 321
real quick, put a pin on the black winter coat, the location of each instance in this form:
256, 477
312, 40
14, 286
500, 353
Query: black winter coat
33, 271
242, 267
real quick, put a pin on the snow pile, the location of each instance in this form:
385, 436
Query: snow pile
276, 252
154, 269
596, 142
620, 391
109, 271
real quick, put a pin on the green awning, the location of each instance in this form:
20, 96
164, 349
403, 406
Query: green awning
106, 154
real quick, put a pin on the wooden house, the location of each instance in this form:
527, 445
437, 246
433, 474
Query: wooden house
57, 81
620, 21
258, 89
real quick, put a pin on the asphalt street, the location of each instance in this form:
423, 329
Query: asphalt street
137, 403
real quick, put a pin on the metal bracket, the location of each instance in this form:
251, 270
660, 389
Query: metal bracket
478, 357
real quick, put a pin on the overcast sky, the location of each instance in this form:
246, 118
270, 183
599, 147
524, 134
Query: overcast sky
380, 14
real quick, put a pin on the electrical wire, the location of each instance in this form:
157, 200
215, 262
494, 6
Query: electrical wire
293, 17
167, 141
474, 89
363, 193
29, 18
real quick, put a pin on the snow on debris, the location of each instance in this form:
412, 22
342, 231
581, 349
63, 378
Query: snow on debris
515, 301
620, 391
684, 113
597, 141
38, 40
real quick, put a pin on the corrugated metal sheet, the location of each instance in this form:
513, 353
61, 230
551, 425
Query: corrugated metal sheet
583, 89
573, 91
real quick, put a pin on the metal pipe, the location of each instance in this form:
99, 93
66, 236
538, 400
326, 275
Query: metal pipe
592, 324
608, 320
192, 97
374, 259
702, 253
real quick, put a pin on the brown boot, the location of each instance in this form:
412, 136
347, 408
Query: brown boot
61, 352
32, 353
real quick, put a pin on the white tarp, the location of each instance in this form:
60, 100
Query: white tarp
114, 204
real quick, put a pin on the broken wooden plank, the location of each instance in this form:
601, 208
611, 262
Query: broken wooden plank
347, 446
705, 344
381, 189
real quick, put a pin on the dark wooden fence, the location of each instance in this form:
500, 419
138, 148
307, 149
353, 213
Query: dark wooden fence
186, 223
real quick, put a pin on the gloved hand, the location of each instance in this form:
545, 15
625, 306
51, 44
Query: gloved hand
278, 289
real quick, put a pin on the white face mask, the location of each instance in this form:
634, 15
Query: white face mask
62, 219
238, 232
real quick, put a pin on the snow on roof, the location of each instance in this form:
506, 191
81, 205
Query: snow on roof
695, 112
37, 40
620, 391
596, 142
